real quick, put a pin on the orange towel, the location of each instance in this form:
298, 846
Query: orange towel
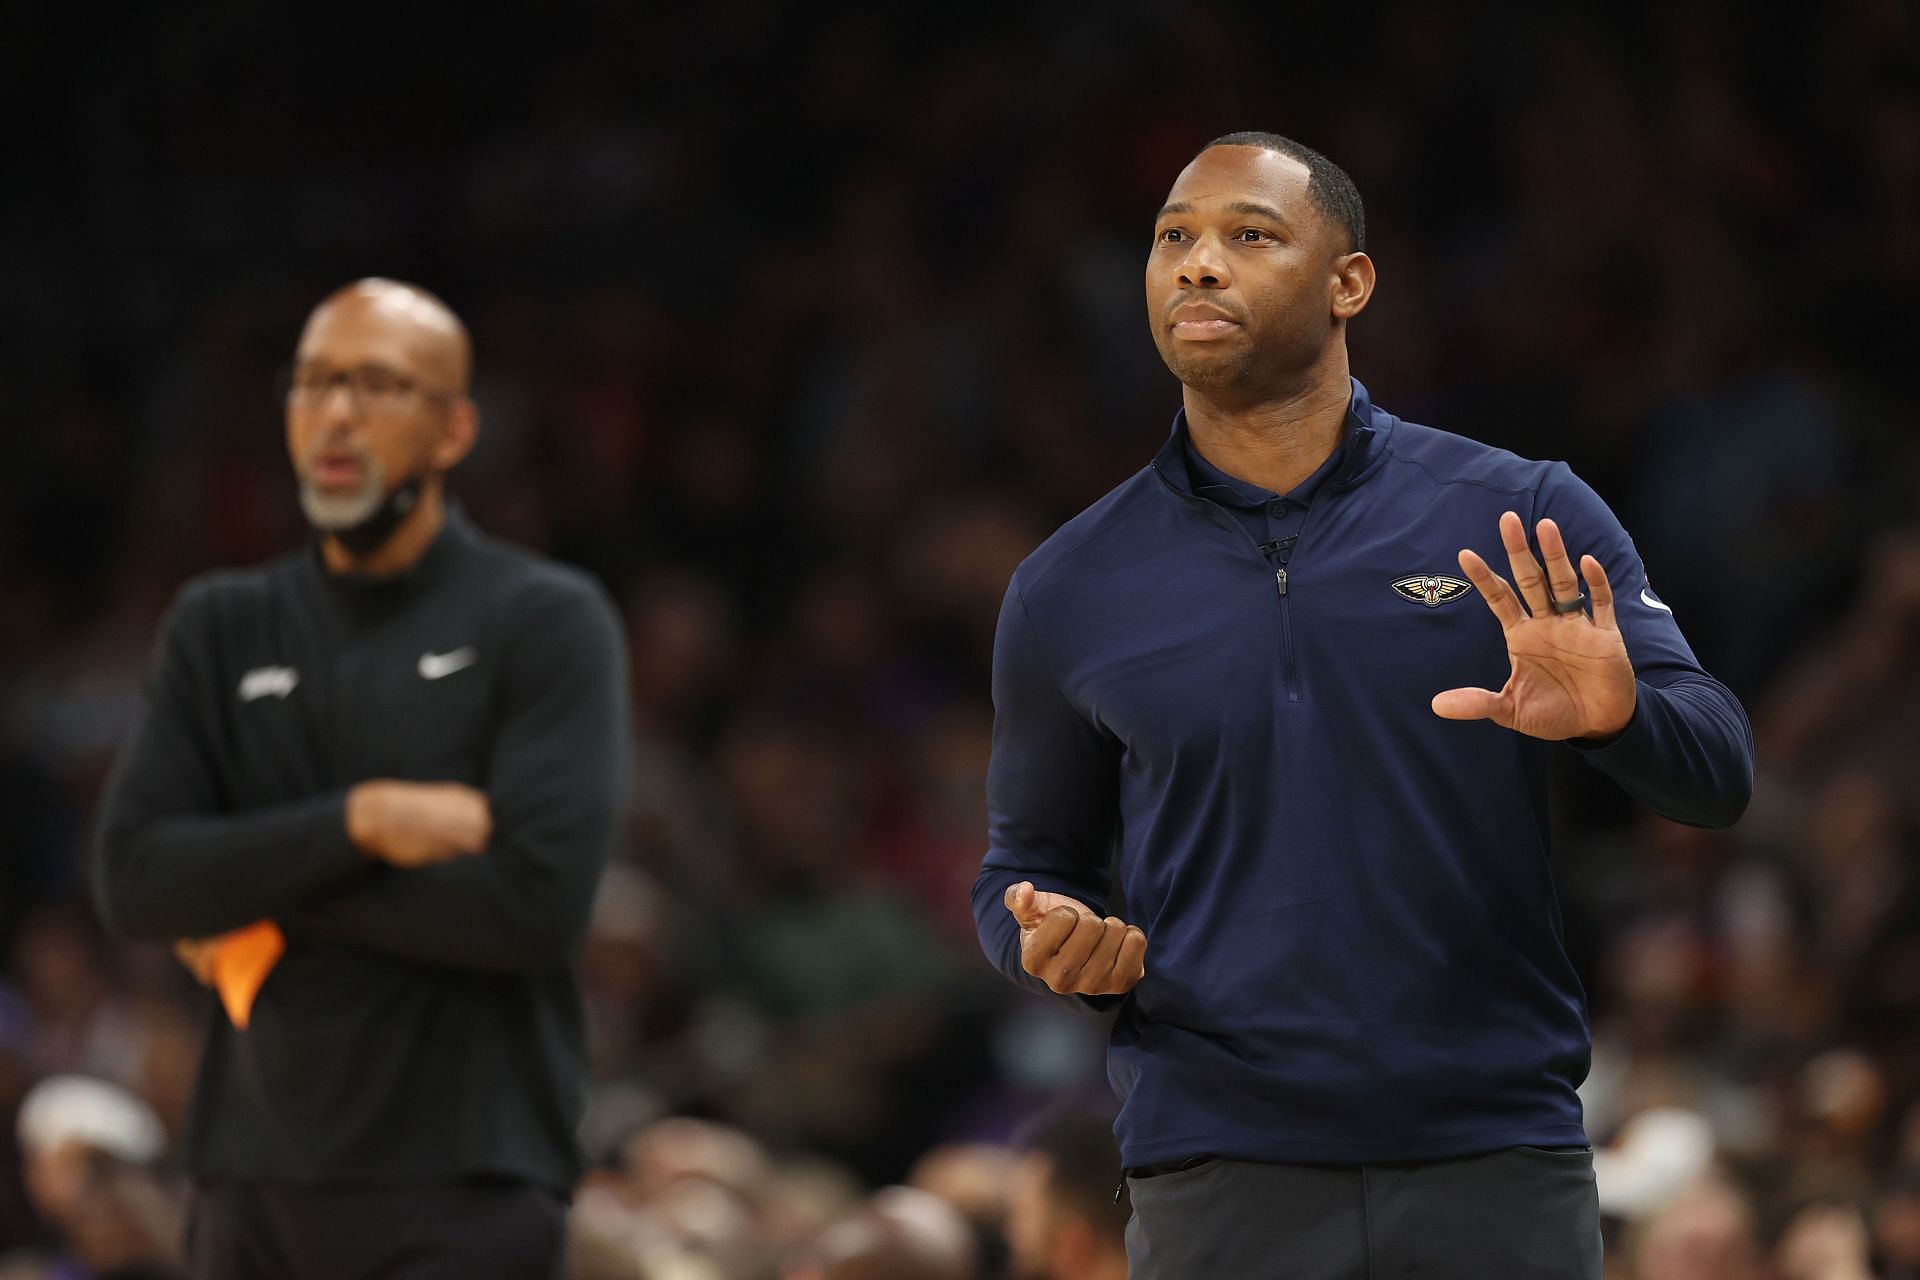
241, 962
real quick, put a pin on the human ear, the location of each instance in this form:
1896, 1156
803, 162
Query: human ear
1352, 285
457, 436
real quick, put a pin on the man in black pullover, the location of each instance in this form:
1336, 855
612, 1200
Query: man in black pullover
369, 800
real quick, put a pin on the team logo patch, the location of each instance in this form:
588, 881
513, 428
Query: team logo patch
1431, 589
268, 682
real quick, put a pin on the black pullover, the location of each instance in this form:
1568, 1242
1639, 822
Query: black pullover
424, 1025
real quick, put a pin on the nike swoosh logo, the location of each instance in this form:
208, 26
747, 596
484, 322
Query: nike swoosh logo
1646, 598
436, 666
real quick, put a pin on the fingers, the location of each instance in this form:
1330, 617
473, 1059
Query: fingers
1062, 972
1473, 704
1040, 945
1019, 900
1098, 968
1493, 589
471, 818
1078, 954
1553, 549
1527, 577
1600, 591
482, 833
1128, 967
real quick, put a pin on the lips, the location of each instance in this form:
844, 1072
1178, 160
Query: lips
337, 470
1200, 322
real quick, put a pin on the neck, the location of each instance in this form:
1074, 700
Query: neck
1277, 440
400, 552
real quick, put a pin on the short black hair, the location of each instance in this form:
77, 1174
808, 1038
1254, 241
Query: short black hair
1085, 1160
1328, 185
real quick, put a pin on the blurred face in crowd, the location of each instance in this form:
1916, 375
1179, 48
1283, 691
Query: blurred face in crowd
1032, 1219
378, 395
1707, 1234
1248, 282
1047, 1238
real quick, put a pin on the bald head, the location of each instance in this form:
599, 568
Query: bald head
434, 341
377, 414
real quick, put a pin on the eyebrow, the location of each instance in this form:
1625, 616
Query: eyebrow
1251, 207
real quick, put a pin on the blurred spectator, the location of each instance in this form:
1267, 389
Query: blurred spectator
1825, 1242
1896, 1226
980, 1180
90, 1151
900, 1234
1068, 1211
80, 1022
1656, 1157
1707, 1234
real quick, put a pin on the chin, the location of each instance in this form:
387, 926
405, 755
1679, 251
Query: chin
1220, 373
331, 512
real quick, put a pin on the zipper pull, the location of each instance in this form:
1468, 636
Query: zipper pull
1280, 576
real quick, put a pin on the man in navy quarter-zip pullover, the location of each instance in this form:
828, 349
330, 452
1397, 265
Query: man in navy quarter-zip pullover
1274, 680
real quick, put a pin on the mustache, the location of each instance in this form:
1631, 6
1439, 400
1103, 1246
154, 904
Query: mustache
338, 445
1188, 299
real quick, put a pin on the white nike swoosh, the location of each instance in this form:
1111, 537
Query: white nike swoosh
434, 666
1646, 598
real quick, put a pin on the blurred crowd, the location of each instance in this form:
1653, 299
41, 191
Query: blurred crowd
800, 329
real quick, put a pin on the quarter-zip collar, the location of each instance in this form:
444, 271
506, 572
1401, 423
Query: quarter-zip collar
455, 538
1365, 445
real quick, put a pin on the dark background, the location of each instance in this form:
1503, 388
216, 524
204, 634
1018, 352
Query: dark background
800, 327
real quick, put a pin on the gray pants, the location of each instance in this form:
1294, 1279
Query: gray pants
1525, 1213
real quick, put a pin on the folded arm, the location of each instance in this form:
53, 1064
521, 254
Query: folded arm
555, 781
167, 861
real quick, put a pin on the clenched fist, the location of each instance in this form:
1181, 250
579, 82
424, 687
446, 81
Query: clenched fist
1072, 950
416, 824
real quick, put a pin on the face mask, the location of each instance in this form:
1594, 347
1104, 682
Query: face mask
372, 533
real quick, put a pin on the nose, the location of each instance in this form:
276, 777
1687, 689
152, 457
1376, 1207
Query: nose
1204, 267
338, 405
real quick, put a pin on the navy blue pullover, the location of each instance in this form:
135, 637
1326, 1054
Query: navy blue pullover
1354, 949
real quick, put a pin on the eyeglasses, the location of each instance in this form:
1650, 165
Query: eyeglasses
373, 388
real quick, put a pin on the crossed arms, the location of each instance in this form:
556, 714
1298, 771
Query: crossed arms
434, 873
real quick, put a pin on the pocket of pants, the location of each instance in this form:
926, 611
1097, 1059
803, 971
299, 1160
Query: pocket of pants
1161, 1176
1559, 1153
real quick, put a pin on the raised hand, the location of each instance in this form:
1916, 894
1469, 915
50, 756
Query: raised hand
1571, 674
1072, 950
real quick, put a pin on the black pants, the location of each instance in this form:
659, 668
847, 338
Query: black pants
1525, 1213
460, 1231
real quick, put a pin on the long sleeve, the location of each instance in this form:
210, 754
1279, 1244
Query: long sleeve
555, 781
1687, 754
1052, 795
168, 862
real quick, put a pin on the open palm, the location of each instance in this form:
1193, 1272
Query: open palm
1571, 674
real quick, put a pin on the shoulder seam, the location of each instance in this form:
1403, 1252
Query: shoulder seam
1082, 541
1397, 456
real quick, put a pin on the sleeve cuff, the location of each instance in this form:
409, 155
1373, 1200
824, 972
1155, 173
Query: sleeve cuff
314, 834
1630, 741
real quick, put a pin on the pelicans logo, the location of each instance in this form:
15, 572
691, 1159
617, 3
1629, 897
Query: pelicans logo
1431, 589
